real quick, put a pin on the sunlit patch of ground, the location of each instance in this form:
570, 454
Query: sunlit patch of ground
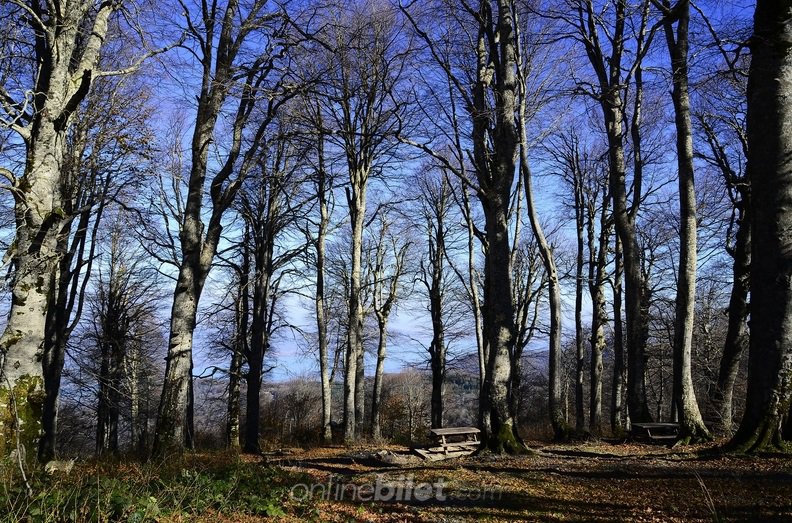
586, 482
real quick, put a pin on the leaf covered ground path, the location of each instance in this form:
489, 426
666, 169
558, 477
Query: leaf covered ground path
587, 482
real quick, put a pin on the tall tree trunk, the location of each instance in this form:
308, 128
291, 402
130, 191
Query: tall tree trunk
67, 48
692, 427
57, 333
350, 374
115, 331
365, 104
438, 381
437, 354
498, 317
224, 36
172, 420
770, 174
475, 302
233, 410
262, 220
260, 326
253, 405
382, 306
635, 311
172, 431
435, 209
618, 412
637, 296
609, 71
35, 262
495, 169
599, 317
53, 361
560, 428
103, 405
360, 392
580, 350
356, 200
238, 350
116, 386
321, 320
68, 300
382, 325
241, 343
737, 331
137, 419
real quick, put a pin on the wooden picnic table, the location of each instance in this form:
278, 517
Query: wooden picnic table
453, 437
656, 431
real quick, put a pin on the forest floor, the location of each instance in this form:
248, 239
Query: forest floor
582, 482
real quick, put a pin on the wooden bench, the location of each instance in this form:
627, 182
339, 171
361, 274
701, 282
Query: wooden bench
462, 438
655, 431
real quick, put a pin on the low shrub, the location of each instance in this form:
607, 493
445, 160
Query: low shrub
128, 491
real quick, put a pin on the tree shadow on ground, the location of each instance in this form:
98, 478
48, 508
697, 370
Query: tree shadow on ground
577, 485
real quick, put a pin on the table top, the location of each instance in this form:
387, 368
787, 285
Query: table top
656, 425
450, 431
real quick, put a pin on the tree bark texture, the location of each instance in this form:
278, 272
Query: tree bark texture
618, 406
225, 30
580, 349
609, 76
769, 392
692, 427
67, 60
495, 170
597, 276
736, 341
321, 320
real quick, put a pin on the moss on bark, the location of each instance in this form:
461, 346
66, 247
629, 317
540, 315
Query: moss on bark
504, 442
766, 438
20, 416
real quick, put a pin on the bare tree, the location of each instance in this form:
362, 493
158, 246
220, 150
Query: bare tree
738, 245
692, 427
270, 202
581, 170
530, 284
121, 306
435, 200
490, 95
232, 71
240, 346
543, 245
38, 101
618, 390
769, 151
472, 282
389, 267
608, 64
596, 199
721, 122
323, 181
362, 110
107, 151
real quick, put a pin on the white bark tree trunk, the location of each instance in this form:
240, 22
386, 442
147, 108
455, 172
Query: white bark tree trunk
62, 85
692, 427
